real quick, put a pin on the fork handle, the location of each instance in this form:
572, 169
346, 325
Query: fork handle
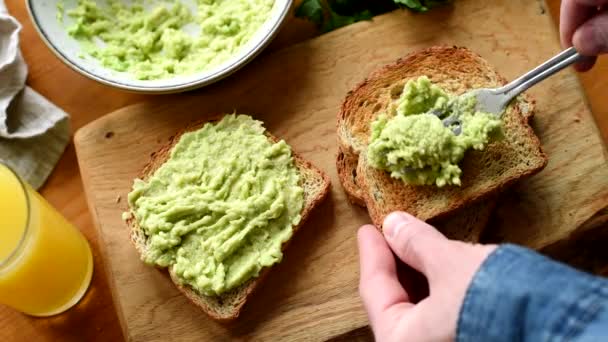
541, 72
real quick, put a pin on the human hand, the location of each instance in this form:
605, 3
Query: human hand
448, 266
584, 25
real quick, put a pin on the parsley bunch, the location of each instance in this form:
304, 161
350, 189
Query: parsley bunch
331, 14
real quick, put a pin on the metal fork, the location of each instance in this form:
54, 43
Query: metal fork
496, 100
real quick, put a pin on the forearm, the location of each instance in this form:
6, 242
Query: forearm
519, 295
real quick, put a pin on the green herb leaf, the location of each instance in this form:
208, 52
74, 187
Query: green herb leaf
420, 5
331, 14
311, 10
413, 4
336, 20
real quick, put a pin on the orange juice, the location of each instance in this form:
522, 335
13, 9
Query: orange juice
45, 262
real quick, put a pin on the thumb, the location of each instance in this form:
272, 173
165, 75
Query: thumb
591, 38
416, 243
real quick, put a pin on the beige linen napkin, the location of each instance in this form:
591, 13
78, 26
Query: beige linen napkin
33, 131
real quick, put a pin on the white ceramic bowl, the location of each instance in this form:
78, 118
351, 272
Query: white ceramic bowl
54, 34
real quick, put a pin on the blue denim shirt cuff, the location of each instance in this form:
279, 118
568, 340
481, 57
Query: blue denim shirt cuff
518, 295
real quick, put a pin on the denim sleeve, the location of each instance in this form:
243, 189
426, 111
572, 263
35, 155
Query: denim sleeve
520, 295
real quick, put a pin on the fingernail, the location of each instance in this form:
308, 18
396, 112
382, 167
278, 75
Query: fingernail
393, 223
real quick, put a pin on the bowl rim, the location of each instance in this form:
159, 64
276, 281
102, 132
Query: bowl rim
213, 77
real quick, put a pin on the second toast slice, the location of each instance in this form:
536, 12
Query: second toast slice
486, 172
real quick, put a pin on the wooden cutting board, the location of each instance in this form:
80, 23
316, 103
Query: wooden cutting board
312, 294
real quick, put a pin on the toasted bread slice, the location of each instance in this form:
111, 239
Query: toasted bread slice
466, 224
487, 172
228, 306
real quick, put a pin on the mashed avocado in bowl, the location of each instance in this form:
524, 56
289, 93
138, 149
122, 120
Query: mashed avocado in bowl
158, 46
414, 145
154, 43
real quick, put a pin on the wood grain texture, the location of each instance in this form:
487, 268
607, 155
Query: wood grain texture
94, 318
86, 100
595, 81
297, 92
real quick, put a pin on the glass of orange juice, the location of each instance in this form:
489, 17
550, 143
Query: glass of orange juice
45, 263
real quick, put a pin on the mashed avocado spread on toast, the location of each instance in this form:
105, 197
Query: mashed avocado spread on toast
414, 145
220, 207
